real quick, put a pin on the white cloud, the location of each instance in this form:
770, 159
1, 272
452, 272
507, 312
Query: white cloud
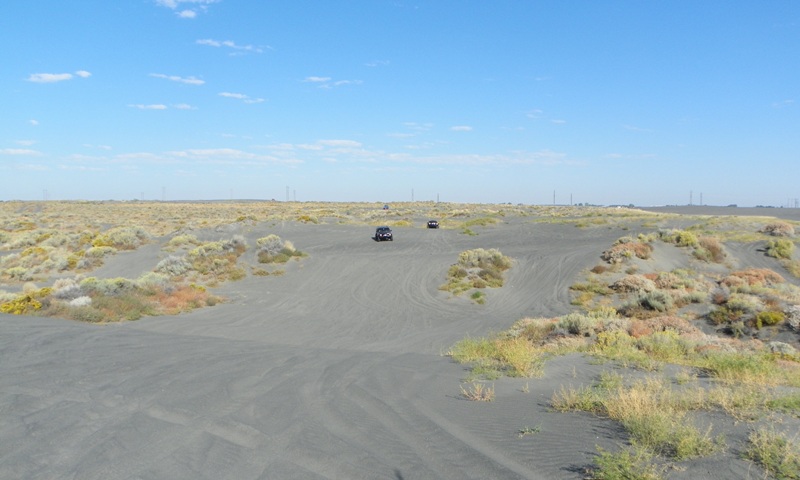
242, 97
196, 5
461, 128
340, 143
558, 121
229, 44
187, 80
49, 77
634, 128
325, 82
184, 106
157, 106
33, 122
25, 143
19, 152
56, 77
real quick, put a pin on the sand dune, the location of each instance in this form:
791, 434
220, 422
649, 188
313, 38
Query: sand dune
331, 371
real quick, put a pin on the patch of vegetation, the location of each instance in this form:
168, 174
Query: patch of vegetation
273, 249
476, 269
478, 392
778, 455
781, 248
631, 463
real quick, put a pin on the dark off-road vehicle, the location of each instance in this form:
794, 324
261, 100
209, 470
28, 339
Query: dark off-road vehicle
383, 233
433, 223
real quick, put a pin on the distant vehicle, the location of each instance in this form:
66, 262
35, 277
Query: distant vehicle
386, 207
383, 233
433, 223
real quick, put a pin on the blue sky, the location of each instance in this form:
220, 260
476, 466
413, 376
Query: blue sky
602, 102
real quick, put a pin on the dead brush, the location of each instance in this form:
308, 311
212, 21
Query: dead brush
478, 392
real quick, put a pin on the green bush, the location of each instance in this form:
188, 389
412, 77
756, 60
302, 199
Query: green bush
769, 318
780, 248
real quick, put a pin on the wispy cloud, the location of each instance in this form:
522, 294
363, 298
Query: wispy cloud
783, 103
461, 128
242, 97
634, 128
161, 106
33, 122
230, 44
57, 77
340, 143
175, 78
156, 106
377, 63
186, 8
19, 152
328, 82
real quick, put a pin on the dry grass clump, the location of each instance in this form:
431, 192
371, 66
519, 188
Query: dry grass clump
272, 249
477, 268
650, 411
776, 453
634, 283
218, 260
626, 248
751, 277
478, 392
778, 229
710, 249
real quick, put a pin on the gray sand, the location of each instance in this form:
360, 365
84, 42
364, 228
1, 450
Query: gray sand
331, 371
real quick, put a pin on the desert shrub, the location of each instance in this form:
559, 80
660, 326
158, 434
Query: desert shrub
752, 276
629, 463
593, 286
21, 305
623, 251
173, 265
100, 251
121, 238
780, 248
182, 241
80, 301
681, 238
107, 286
710, 249
747, 304
633, 283
778, 229
769, 318
478, 268
577, 324
66, 289
153, 281
123, 306
271, 243
86, 313
656, 300
723, 315
19, 273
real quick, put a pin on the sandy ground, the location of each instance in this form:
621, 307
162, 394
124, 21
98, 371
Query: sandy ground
333, 370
